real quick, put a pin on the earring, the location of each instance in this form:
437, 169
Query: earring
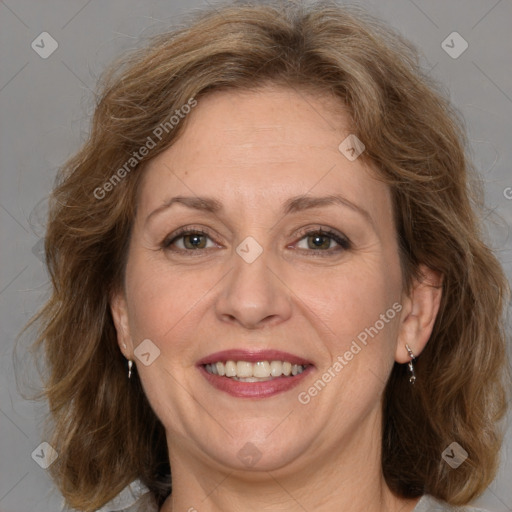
412, 378
130, 365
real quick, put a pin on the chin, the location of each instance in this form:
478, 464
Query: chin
257, 452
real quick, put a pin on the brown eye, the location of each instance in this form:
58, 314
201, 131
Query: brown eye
195, 241
319, 241
188, 241
323, 241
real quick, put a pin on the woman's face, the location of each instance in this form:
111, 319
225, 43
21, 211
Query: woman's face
278, 249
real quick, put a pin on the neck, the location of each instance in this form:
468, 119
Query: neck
347, 478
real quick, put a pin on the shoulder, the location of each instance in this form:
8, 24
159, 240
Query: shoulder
430, 504
135, 497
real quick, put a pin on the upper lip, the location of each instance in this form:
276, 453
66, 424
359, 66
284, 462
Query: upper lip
252, 356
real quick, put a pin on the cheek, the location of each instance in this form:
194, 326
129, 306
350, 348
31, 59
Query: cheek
158, 299
161, 308
166, 305
161, 293
350, 298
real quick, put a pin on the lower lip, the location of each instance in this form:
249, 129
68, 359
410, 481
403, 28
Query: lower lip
262, 389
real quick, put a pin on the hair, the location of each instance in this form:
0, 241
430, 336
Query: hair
102, 424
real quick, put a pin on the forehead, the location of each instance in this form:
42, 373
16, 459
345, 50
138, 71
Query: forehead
272, 118
268, 143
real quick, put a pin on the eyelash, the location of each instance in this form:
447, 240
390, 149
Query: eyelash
343, 242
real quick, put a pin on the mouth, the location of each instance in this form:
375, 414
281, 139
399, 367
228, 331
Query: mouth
254, 374
260, 371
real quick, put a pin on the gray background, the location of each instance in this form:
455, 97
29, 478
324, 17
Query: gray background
45, 106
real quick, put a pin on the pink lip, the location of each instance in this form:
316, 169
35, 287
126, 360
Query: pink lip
263, 389
252, 356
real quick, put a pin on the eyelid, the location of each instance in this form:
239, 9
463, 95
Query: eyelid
343, 241
183, 231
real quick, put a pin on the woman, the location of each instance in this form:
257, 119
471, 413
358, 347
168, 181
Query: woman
269, 279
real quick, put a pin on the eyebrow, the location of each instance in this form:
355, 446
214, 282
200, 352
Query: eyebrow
300, 203
207, 204
292, 205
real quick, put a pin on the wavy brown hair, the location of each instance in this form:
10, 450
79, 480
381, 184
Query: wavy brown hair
102, 425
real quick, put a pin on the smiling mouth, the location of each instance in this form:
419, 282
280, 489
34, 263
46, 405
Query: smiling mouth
259, 371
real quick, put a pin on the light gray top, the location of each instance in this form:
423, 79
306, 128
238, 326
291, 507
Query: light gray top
137, 498
430, 504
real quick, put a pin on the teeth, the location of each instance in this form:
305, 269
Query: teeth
229, 368
254, 372
220, 369
276, 368
244, 369
261, 369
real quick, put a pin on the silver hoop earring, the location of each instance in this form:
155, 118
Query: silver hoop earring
130, 365
412, 378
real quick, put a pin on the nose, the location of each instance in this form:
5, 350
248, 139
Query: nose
253, 295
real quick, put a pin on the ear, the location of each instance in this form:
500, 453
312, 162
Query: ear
420, 308
119, 311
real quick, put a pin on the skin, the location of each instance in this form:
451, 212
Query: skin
252, 151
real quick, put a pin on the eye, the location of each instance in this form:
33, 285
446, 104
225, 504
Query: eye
323, 240
188, 240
